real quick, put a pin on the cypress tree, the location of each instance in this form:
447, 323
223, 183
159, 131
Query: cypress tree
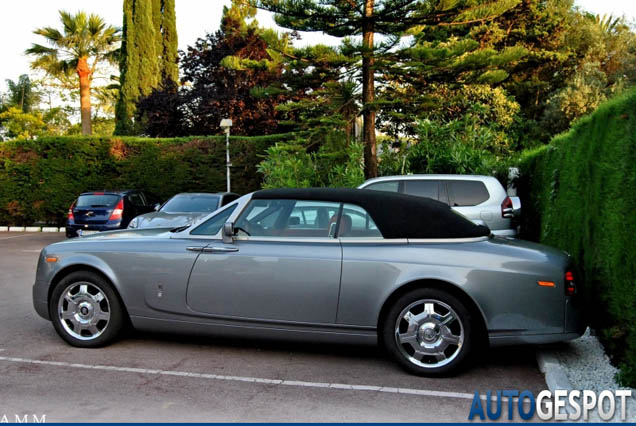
170, 42
128, 73
148, 55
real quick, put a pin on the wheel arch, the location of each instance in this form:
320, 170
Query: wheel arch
82, 267
453, 289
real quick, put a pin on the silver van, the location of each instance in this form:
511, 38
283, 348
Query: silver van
481, 199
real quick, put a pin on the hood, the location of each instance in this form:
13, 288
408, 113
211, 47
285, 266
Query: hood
168, 220
124, 234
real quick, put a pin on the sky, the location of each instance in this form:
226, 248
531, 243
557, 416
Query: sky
194, 18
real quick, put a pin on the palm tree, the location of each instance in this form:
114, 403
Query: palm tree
85, 43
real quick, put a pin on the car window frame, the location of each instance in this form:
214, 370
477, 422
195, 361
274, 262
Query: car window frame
188, 232
327, 238
439, 189
400, 183
243, 202
347, 238
451, 199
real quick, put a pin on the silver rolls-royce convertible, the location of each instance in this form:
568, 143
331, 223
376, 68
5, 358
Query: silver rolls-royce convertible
337, 265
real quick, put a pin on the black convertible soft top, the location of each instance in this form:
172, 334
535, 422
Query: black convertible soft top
396, 215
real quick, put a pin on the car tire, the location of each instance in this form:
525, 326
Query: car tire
428, 332
86, 311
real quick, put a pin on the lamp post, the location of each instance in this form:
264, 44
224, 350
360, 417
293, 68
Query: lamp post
226, 123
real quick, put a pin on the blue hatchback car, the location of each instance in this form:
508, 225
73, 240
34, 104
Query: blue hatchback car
106, 211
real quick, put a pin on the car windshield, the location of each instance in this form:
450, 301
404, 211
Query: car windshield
191, 203
99, 200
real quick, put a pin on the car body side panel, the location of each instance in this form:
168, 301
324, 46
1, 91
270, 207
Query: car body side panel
501, 280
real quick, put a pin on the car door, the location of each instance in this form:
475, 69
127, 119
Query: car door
277, 268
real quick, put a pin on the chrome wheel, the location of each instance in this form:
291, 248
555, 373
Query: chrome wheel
84, 311
429, 333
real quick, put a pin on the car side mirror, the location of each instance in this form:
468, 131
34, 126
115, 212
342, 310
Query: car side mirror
228, 233
157, 207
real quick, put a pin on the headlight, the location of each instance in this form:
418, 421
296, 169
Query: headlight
133, 223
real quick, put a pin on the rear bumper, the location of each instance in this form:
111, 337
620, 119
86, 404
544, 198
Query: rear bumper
71, 229
532, 339
505, 232
574, 326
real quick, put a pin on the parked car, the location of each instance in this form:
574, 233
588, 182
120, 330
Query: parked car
97, 211
332, 265
481, 199
182, 209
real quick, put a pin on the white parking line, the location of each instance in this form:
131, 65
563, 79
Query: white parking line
276, 382
31, 251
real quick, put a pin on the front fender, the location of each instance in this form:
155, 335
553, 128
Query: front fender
50, 273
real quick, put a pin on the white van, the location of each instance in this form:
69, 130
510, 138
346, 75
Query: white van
481, 199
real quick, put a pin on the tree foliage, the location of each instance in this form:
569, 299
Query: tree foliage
85, 43
148, 56
19, 124
222, 75
21, 94
366, 18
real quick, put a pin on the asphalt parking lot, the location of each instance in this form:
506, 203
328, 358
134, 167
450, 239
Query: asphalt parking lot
171, 378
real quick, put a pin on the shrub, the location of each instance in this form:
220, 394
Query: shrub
40, 179
454, 147
581, 187
335, 163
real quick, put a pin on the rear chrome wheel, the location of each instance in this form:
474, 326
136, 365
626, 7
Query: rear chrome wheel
85, 310
428, 331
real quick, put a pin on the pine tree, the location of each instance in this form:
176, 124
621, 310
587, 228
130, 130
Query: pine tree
148, 56
366, 18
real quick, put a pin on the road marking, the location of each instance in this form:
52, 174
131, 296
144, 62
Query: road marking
276, 382
31, 251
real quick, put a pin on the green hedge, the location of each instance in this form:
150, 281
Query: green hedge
40, 179
582, 192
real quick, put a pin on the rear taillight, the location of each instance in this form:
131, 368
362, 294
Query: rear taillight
570, 286
119, 210
70, 212
506, 208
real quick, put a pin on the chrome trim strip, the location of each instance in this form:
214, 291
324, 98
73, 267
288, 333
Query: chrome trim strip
363, 240
326, 240
447, 240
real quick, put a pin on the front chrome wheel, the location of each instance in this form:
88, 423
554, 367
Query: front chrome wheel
429, 333
84, 311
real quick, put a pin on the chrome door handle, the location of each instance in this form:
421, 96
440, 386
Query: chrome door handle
194, 248
220, 249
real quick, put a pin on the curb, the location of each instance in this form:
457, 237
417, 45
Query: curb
32, 229
555, 377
